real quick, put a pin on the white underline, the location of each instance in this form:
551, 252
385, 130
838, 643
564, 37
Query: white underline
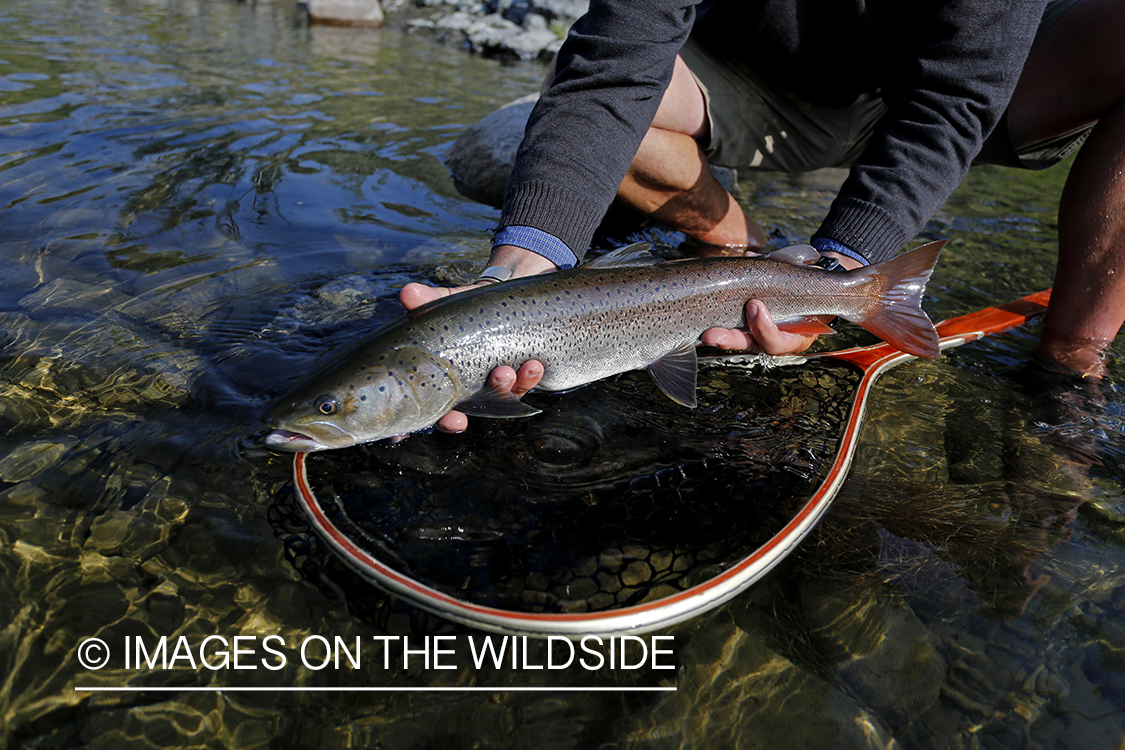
94, 689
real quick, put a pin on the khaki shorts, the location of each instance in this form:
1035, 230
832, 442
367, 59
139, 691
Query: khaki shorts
755, 125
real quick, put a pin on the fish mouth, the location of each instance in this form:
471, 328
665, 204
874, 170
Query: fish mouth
293, 442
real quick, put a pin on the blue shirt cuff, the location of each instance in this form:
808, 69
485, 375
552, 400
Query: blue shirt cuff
826, 245
538, 242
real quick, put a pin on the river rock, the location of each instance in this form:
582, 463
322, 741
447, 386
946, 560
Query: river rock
525, 29
483, 157
346, 12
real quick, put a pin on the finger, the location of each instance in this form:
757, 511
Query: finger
502, 377
453, 422
729, 339
415, 295
528, 377
769, 338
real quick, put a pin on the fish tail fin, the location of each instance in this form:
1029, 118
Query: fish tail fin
898, 317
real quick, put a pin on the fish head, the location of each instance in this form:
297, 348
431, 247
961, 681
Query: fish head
370, 397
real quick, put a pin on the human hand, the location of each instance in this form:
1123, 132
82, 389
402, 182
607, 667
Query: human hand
761, 333
521, 263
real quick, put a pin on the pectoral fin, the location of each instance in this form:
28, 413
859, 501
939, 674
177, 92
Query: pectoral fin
495, 402
675, 374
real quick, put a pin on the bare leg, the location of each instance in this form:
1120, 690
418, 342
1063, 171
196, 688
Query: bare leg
1076, 75
671, 181
1088, 301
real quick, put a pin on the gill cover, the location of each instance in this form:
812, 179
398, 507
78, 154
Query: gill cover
404, 391
370, 397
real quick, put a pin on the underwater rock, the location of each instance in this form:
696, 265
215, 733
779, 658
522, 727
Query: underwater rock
62, 293
902, 675
347, 299
30, 460
57, 373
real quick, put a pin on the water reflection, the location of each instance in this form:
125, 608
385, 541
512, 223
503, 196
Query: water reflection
202, 201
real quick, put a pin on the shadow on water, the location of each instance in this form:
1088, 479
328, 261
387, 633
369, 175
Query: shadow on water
203, 201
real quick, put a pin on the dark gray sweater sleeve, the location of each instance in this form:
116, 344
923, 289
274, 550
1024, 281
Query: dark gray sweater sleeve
582, 135
957, 72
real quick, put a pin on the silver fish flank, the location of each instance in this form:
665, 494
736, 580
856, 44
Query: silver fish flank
586, 324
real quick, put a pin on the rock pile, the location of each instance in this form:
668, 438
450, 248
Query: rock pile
524, 29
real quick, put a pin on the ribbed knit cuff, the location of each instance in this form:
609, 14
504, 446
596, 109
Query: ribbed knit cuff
828, 245
865, 227
560, 212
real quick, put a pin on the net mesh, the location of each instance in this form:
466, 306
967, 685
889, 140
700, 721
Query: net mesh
613, 497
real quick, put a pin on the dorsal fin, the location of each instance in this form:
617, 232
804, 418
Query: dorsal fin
637, 254
797, 255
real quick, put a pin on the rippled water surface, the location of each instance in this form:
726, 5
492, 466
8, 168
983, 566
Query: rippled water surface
201, 201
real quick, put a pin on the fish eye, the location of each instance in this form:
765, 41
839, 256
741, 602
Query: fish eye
327, 405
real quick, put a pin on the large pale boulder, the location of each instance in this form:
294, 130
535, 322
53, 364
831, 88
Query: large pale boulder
483, 157
346, 12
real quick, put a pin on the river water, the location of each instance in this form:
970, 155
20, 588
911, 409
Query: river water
202, 201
